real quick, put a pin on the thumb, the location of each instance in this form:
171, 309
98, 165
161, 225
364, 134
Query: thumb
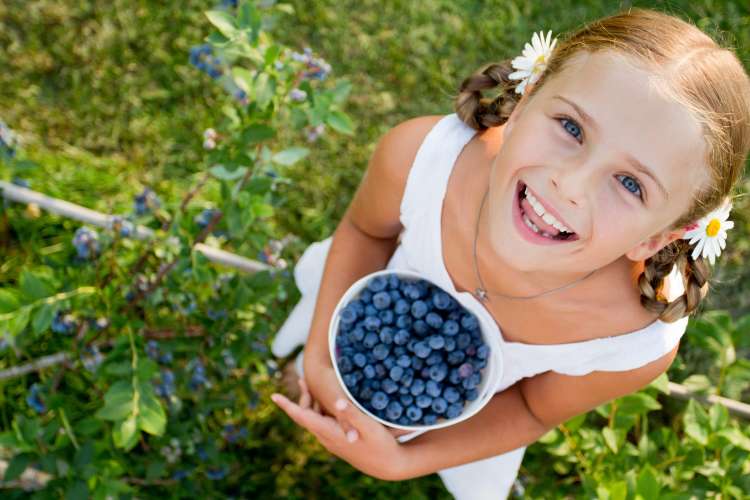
352, 419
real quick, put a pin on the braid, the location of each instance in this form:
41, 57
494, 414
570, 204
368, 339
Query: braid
480, 112
695, 273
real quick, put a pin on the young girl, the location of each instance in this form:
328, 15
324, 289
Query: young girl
577, 208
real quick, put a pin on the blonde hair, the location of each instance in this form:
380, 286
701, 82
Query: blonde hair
707, 79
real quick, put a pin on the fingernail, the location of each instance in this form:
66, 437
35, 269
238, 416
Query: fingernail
275, 398
340, 404
352, 436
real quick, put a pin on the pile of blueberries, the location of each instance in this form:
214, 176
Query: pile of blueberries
409, 352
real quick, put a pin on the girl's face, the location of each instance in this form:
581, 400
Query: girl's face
583, 168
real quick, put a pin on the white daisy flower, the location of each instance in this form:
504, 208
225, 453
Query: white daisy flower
711, 233
533, 62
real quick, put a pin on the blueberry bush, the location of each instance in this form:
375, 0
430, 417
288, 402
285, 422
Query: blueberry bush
131, 366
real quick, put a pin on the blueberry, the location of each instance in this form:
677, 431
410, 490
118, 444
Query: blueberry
433, 388
420, 327
386, 316
469, 322
414, 413
406, 399
417, 363
404, 361
380, 370
359, 359
407, 378
348, 315
370, 340
434, 320
401, 307
403, 391
393, 410
429, 419
345, 364
463, 341
395, 296
394, 282
454, 377
411, 291
451, 395
454, 410
471, 382
450, 344
371, 310
450, 327
399, 351
438, 372
418, 309
380, 352
403, 420
377, 284
441, 300
368, 371
417, 387
365, 393
365, 296
455, 357
422, 350
483, 351
436, 341
433, 359
388, 386
349, 380
357, 334
466, 370
381, 300
423, 401
372, 323
403, 321
471, 350
471, 394
342, 340
396, 373
386, 335
389, 362
439, 405
379, 400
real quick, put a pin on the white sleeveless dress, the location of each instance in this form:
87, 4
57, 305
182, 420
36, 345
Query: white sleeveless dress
420, 250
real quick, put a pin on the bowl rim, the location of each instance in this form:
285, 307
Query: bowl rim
493, 370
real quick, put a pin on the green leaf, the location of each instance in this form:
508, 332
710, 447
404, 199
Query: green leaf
661, 383
696, 422
243, 78
718, 417
286, 8
8, 300
735, 438
697, 384
574, 423
43, 317
341, 91
118, 402
290, 156
257, 133
636, 404
648, 484
77, 491
126, 434
17, 465
18, 322
272, 54
221, 172
339, 121
265, 88
610, 437
151, 416
223, 22
33, 287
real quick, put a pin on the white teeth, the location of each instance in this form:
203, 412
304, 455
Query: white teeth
539, 209
535, 228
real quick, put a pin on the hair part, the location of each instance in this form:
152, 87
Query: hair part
693, 70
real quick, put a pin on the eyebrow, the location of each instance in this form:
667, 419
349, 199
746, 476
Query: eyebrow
630, 159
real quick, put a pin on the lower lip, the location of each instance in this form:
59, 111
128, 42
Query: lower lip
525, 231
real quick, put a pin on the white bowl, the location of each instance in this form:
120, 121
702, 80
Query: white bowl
490, 373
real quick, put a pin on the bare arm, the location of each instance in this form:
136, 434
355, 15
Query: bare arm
503, 425
363, 243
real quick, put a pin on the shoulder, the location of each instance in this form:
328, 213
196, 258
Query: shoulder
375, 208
554, 398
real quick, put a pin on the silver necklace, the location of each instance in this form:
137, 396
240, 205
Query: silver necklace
481, 292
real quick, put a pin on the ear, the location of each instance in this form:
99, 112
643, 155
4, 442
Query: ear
653, 244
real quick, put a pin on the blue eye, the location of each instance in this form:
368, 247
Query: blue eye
572, 128
632, 183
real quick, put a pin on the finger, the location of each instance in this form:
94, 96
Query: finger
316, 407
305, 400
354, 421
324, 428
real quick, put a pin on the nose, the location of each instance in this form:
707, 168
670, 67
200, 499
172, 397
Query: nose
571, 182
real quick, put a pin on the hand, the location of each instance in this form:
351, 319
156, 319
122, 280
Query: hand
368, 446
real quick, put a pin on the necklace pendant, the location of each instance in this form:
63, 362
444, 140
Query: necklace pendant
481, 294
